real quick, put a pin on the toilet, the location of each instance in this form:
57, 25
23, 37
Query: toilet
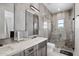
50, 46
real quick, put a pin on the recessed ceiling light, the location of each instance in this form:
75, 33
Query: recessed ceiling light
58, 9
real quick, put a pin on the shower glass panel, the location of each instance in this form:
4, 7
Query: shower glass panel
60, 28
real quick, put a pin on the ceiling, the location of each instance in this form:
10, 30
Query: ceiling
58, 7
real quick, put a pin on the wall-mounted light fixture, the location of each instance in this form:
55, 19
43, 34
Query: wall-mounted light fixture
59, 9
34, 8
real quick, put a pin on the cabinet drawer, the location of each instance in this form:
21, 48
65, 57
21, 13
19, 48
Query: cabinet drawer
39, 52
31, 50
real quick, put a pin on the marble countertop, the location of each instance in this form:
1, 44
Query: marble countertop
16, 47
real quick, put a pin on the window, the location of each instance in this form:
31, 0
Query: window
45, 25
61, 23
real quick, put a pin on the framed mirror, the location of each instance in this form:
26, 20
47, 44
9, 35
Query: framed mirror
35, 24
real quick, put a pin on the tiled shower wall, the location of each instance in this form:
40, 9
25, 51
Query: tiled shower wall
68, 33
45, 16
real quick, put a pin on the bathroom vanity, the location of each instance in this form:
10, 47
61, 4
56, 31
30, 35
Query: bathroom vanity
27, 47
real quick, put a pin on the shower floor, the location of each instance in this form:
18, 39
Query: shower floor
61, 44
56, 51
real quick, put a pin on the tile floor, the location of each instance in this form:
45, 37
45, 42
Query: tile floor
54, 52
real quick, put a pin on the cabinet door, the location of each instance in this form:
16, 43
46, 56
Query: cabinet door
39, 52
19, 17
44, 52
35, 53
35, 50
42, 49
26, 53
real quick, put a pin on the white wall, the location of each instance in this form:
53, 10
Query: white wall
2, 25
76, 52
19, 17
6, 27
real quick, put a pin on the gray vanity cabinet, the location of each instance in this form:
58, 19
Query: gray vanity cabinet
39, 52
36, 50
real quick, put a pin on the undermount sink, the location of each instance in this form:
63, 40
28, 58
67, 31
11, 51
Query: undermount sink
32, 37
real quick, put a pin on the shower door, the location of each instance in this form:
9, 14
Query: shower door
58, 34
